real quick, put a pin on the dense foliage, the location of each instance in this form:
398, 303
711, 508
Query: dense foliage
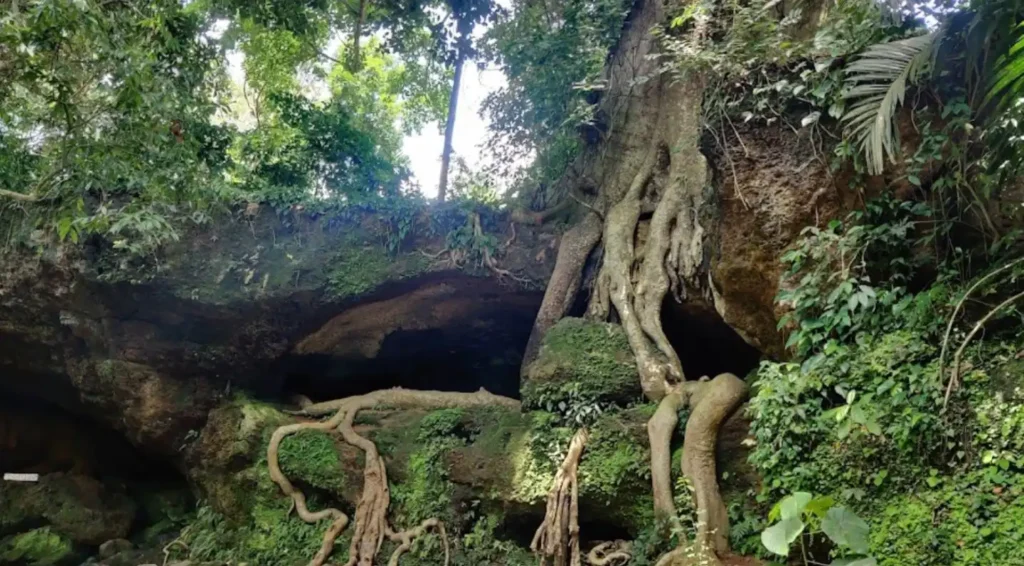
120, 119
553, 54
900, 405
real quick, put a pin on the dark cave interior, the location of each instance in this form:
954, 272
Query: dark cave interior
465, 355
486, 349
706, 345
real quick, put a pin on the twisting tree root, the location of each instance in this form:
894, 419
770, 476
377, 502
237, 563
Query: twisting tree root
557, 541
371, 512
711, 404
611, 553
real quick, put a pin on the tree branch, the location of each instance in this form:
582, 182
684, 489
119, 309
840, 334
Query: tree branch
23, 197
954, 378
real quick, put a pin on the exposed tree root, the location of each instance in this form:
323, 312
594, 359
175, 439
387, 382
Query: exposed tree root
557, 541
573, 251
23, 197
611, 553
652, 194
371, 512
539, 218
615, 281
711, 404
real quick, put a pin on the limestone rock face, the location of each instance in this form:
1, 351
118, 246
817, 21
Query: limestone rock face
150, 345
771, 187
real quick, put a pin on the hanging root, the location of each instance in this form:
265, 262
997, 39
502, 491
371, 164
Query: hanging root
371, 512
557, 541
711, 404
611, 553
457, 258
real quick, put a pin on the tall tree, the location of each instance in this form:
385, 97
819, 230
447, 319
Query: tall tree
467, 14
449, 126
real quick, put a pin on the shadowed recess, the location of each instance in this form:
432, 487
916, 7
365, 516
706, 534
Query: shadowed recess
459, 333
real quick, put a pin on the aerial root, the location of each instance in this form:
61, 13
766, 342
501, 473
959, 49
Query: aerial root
371, 512
406, 538
711, 403
557, 541
611, 553
457, 258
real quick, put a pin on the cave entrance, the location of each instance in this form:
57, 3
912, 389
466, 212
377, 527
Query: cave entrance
92, 485
706, 345
448, 332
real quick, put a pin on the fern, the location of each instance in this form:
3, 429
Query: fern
876, 83
1008, 80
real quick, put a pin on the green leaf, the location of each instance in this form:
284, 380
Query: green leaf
842, 412
845, 528
820, 505
779, 536
875, 84
844, 430
63, 227
792, 506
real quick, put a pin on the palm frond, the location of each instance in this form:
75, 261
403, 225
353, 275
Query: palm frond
1008, 80
876, 83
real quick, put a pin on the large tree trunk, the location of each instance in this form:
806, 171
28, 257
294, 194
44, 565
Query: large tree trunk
355, 63
652, 177
449, 127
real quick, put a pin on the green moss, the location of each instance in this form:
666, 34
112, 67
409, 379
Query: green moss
615, 463
357, 270
40, 547
258, 525
271, 536
311, 457
582, 362
57, 501
483, 544
163, 510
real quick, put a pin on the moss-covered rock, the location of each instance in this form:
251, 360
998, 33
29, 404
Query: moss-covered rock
485, 472
356, 270
246, 518
78, 508
582, 362
39, 547
311, 456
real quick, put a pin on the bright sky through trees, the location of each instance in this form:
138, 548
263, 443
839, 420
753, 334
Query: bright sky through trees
423, 149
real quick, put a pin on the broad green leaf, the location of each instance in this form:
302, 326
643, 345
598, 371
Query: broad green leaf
844, 429
779, 536
820, 505
792, 506
845, 528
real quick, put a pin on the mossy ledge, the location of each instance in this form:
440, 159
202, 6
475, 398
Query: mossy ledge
582, 362
484, 472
